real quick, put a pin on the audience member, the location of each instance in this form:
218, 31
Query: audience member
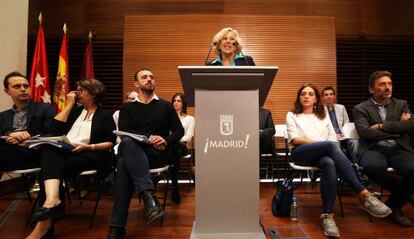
89, 128
314, 144
180, 105
23, 121
156, 119
129, 97
339, 117
267, 131
384, 124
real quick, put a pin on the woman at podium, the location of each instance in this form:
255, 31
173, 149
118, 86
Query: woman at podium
314, 144
228, 46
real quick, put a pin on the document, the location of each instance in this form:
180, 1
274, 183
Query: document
138, 137
57, 141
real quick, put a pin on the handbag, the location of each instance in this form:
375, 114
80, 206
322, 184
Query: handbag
283, 198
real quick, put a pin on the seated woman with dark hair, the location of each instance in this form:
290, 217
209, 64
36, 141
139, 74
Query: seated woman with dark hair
180, 105
89, 128
314, 144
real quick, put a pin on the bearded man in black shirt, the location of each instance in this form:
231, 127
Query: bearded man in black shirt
155, 118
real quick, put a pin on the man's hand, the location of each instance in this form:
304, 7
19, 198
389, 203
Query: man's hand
340, 137
158, 142
18, 137
11, 140
405, 116
81, 148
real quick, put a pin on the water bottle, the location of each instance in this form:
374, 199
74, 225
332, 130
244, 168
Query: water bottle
294, 210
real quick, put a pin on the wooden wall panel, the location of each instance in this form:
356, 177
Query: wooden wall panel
359, 58
303, 47
353, 17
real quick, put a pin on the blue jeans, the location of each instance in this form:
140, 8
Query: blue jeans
329, 158
134, 161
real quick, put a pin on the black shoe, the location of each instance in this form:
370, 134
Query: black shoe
49, 234
175, 196
153, 209
398, 218
44, 213
116, 233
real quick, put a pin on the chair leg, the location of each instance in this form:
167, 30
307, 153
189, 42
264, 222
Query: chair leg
26, 187
165, 197
340, 192
100, 190
34, 206
66, 188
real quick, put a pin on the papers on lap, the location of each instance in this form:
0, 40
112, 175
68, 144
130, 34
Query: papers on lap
57, 141
138, 137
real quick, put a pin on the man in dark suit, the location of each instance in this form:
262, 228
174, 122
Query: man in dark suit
267, 130
384, 124
18, 124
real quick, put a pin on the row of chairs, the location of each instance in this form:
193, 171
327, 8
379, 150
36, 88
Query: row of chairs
162, 172
350, 133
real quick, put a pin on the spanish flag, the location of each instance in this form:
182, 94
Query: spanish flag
62, 79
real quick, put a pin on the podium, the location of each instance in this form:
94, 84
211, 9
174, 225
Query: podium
227, 188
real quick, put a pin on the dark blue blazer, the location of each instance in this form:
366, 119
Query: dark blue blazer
39, 118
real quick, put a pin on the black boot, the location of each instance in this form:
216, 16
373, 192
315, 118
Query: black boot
153, 209
116, 233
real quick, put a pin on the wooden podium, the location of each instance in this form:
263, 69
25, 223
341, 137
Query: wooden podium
227, 103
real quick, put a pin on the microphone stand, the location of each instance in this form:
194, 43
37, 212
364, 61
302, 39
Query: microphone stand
209, 51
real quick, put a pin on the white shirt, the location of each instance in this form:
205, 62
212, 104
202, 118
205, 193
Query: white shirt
81, 129
309, 126
154, 97
188, 123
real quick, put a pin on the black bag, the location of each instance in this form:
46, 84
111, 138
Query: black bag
283, 198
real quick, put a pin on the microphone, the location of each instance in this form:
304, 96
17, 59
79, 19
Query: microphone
241, 52
209, 51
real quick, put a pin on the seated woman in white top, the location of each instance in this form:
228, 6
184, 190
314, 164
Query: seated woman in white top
314, 144
180, 105
188, 122
89, 128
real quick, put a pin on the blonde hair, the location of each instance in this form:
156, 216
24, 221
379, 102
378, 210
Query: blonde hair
223, 32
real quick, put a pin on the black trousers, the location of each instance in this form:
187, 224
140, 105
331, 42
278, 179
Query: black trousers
375, 163
59, 163
13, 157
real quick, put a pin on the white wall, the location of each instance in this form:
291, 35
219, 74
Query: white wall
13, 46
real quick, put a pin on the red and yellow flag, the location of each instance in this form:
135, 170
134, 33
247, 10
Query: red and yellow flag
62, 79
39, 76
87, 66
